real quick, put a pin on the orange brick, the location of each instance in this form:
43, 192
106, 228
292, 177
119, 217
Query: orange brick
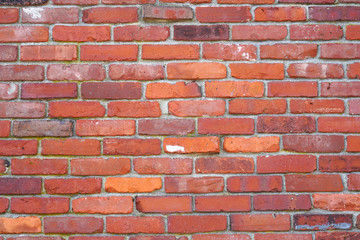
192, 145
254, 184
292, 89
253, 144
229, 52
197, 108
288, 51
164, 204
258, 32
48, 53
109, 52
134, 109
266, 71
353, 144
110, 15
234, 89
161, 90
24, 34
194, 185
286, 164
337, 202
20, 225
257, 106
223, 14
132, 185
81, 33
135, 225
85, 147
170, 52
196, 70
260, 222
105, 127
76, 109
280, 14
102, 205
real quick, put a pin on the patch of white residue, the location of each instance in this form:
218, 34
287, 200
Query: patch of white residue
35, 13
172, 148
11, 89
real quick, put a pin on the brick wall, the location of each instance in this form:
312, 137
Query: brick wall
180, 119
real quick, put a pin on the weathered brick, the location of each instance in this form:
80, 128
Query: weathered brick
196, 70
22, 110
260, 222
337, 202
192, 145
194, 223
201, 32
8, 91
9, 15
76, 109
8, 53
111, 90
197, 108
18, 147
223, 204
288, 51
354, 106
283, 236
226, 126
81, 147
164, 204
337, 235
224, 165
338, 13
153, 13
134, 147
318, 106
48, 90
286, 164
252, 144
24, 34
42, 128
339, 124
75, 72
134, 109
105, 127
170, 52
313, 183
4, 204
40, 205
38, 166
292, 89
340, 50
166, 126
267, 71
281, 202
20, 225
223, 14
134, 224
353, 182
274, 124
353, 70
316, 32
73, 225
132, 185
280, 14
306, 222
352, 32
81, 33
48, 53
221, 237
257, 106
110, 15
229, 52
161, 90
254, 184
108, 52
339, 163
49, 15
21, 73
140, 33
136, 72
100, 166
72, 185
259, 32
194, 185
20, 186
340, 89
313, 143
177, 166
103, 205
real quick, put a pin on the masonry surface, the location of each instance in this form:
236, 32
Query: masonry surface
180, 120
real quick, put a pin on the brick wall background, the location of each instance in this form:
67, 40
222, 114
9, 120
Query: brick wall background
180, 119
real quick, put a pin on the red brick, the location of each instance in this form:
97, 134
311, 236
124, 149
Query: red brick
234, 89
353, 70
338, 13
132, 185
96, 237
186, 1
20, 225
259, 32
260, 222
153, 13
221, 237
177, 166
102, 205
109, 52
354, 106
194, 223
140, 33
340, 50
201, 32
337, 202
283, 236
194, 185
73, 225
131, 147
42, 128
308, 1
105, 127
223, 204
274, 124
267, 71
86, 147
100, 166
167, 90
281, 202
337, 235
8, 91
226, 126
340, 89
135, 225
223, 14
5, 128
254, 184
152, 237
75, 72
197, 108
4, 164
127, 2
286, 164
313, 183
280, 14
4, 205
339, 163
164, 204
339, 124
170, 52
81, 33
20, 186
252, 144
254, 2
353, 144
224, 165
316, 32
229, 52
37, 166
192, 145
136, 72
9, 15
166, 126
313, 143
110, 15
353, 182
8, 53
306, 222
292, 89
21, 73
76, 109
22, 110
196, 70
48, 53
76, 2
48, 90
18, 147
257, 106
24, 34
288, 51
352, 32
72, 185
319, 106
40, 205
111, 90
49, 15
134, 109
